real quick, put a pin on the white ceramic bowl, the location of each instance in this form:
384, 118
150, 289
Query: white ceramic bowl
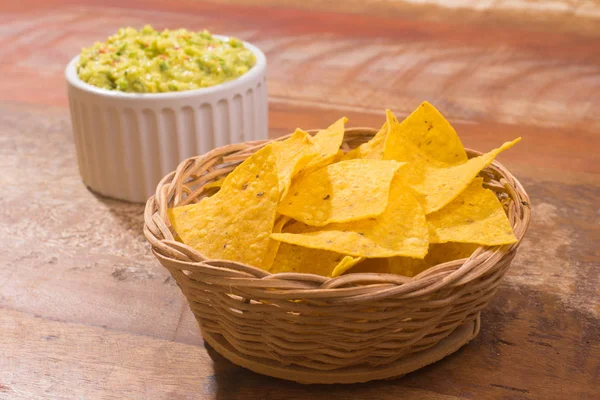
126, 142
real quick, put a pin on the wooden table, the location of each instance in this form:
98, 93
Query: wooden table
87, 313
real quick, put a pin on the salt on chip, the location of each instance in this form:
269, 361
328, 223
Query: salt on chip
292, 155
329, 141
475, 216
430, 132
291, 258
234, 224
401, 230
373, 149
342, 192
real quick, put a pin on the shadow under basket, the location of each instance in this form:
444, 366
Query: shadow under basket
312, 329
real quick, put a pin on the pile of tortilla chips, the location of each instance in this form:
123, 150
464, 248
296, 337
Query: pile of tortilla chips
406, 200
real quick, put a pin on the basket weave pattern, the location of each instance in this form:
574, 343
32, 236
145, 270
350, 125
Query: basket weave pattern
319, 323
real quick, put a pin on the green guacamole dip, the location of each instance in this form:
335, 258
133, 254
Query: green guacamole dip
148, 61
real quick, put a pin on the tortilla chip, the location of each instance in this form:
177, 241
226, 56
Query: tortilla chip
215, 184
291, 258
292, 155
338, 157
442, 185
329, 140
374, 265
406, 200
404, 150
394, 265
407, 266
475, 216
274, 244
435, 186
344, 265
373, 149
342, 192
235, 223
428, 130
440, 253
401, 230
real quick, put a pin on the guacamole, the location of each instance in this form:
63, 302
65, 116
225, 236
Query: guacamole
148, 61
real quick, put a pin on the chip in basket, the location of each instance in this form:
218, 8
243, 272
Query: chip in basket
273, 246
440, 253
341, 192
429, 132
236, 222
438, 186
292, 155
291, 258
405, 201
475, 216
329, 141
401, 230
373, 149
393, 265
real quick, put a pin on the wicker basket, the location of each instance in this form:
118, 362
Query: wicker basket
312, 329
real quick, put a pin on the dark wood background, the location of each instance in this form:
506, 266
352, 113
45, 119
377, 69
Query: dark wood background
87, 313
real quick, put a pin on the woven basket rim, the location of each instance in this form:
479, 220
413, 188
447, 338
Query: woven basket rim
351, 287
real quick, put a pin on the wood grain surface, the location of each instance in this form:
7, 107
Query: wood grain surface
87, 313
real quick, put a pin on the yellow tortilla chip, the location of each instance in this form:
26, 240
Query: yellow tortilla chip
400, 230
329, 141
404, 201
429, 132
215, 184
338, 157
436, 186
373, 149
440, 253
344, 265
407, 266
374, 265
404, 150
342, 192
442, 185
292, 155
475, 216
394, 265
235, 223
274, 244
291, 258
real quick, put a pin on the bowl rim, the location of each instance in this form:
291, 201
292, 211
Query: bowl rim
255, 72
